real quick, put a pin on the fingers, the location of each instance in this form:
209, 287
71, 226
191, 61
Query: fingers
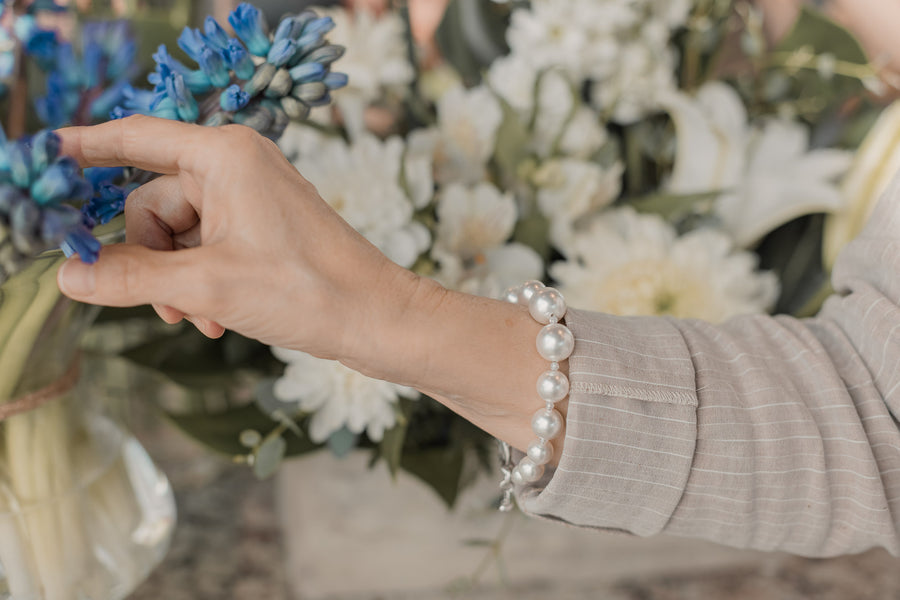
157, 212
148, 143
132, 275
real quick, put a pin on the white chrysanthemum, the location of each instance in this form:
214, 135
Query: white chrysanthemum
623, 47
570, 189
470, 246
362, 182
338, 396
375, 60
766, 173
465, 136
630, 264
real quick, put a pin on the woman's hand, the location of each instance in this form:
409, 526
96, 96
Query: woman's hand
232, 236
258, 251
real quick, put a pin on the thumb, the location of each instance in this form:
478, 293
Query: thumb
131, 275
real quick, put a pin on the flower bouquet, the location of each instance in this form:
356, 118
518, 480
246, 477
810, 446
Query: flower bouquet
84, 513
647, 158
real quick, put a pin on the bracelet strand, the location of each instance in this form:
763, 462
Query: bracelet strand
555, 343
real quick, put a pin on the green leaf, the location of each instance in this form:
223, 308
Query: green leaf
534, 231
674, 206
391, 446
794, 253
439, 468
814, 32
472, 35
220, 431
511, 148
342, 441
268, 456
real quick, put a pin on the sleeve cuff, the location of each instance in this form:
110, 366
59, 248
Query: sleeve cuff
631, 427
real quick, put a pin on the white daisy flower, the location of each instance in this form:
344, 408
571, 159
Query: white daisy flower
465, 136
375, 60
338, 396
362, 182
630, 264
570, 189
470, 246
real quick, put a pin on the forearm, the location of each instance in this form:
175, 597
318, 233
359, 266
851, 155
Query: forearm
475, 355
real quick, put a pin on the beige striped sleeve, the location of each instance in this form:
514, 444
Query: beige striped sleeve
763, 432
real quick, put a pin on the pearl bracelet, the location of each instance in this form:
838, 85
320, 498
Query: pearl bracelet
555, 343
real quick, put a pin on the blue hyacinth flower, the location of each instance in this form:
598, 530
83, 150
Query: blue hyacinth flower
214, 33
246, 21
233, 98
107, 203
239, 60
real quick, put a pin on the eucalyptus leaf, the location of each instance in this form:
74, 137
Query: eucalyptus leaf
268, 456
220, 431
342, 441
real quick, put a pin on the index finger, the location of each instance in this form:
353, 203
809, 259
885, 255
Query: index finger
148, 143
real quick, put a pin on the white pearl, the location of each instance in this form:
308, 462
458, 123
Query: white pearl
540, 452
555, 342
513, 294
547, 303
517, 477
546, 424
529, 288
552, 386
530, 471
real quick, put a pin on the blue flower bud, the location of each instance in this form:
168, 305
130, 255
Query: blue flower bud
81, 242
247, 23
56, 182
192, 42
334, 81
319, 26
120, 113
306, 72
215, 35
108, 99
281, 52
94, 60
213, 64
233, 99
45, 147
177, 91
290, 28
10, 196
239, 60
68, 67
57, 222
325, 55
106, 205
19, 164
97, 176
164, 108
122, 63
42, 47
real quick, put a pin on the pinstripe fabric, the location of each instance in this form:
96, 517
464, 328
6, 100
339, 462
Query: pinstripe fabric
763, 432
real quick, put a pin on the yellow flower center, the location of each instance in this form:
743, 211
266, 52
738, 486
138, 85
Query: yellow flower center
655, 287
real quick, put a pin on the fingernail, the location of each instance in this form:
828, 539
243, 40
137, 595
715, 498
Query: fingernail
76, 278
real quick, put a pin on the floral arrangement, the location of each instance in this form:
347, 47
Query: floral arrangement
645, 158
83, 512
